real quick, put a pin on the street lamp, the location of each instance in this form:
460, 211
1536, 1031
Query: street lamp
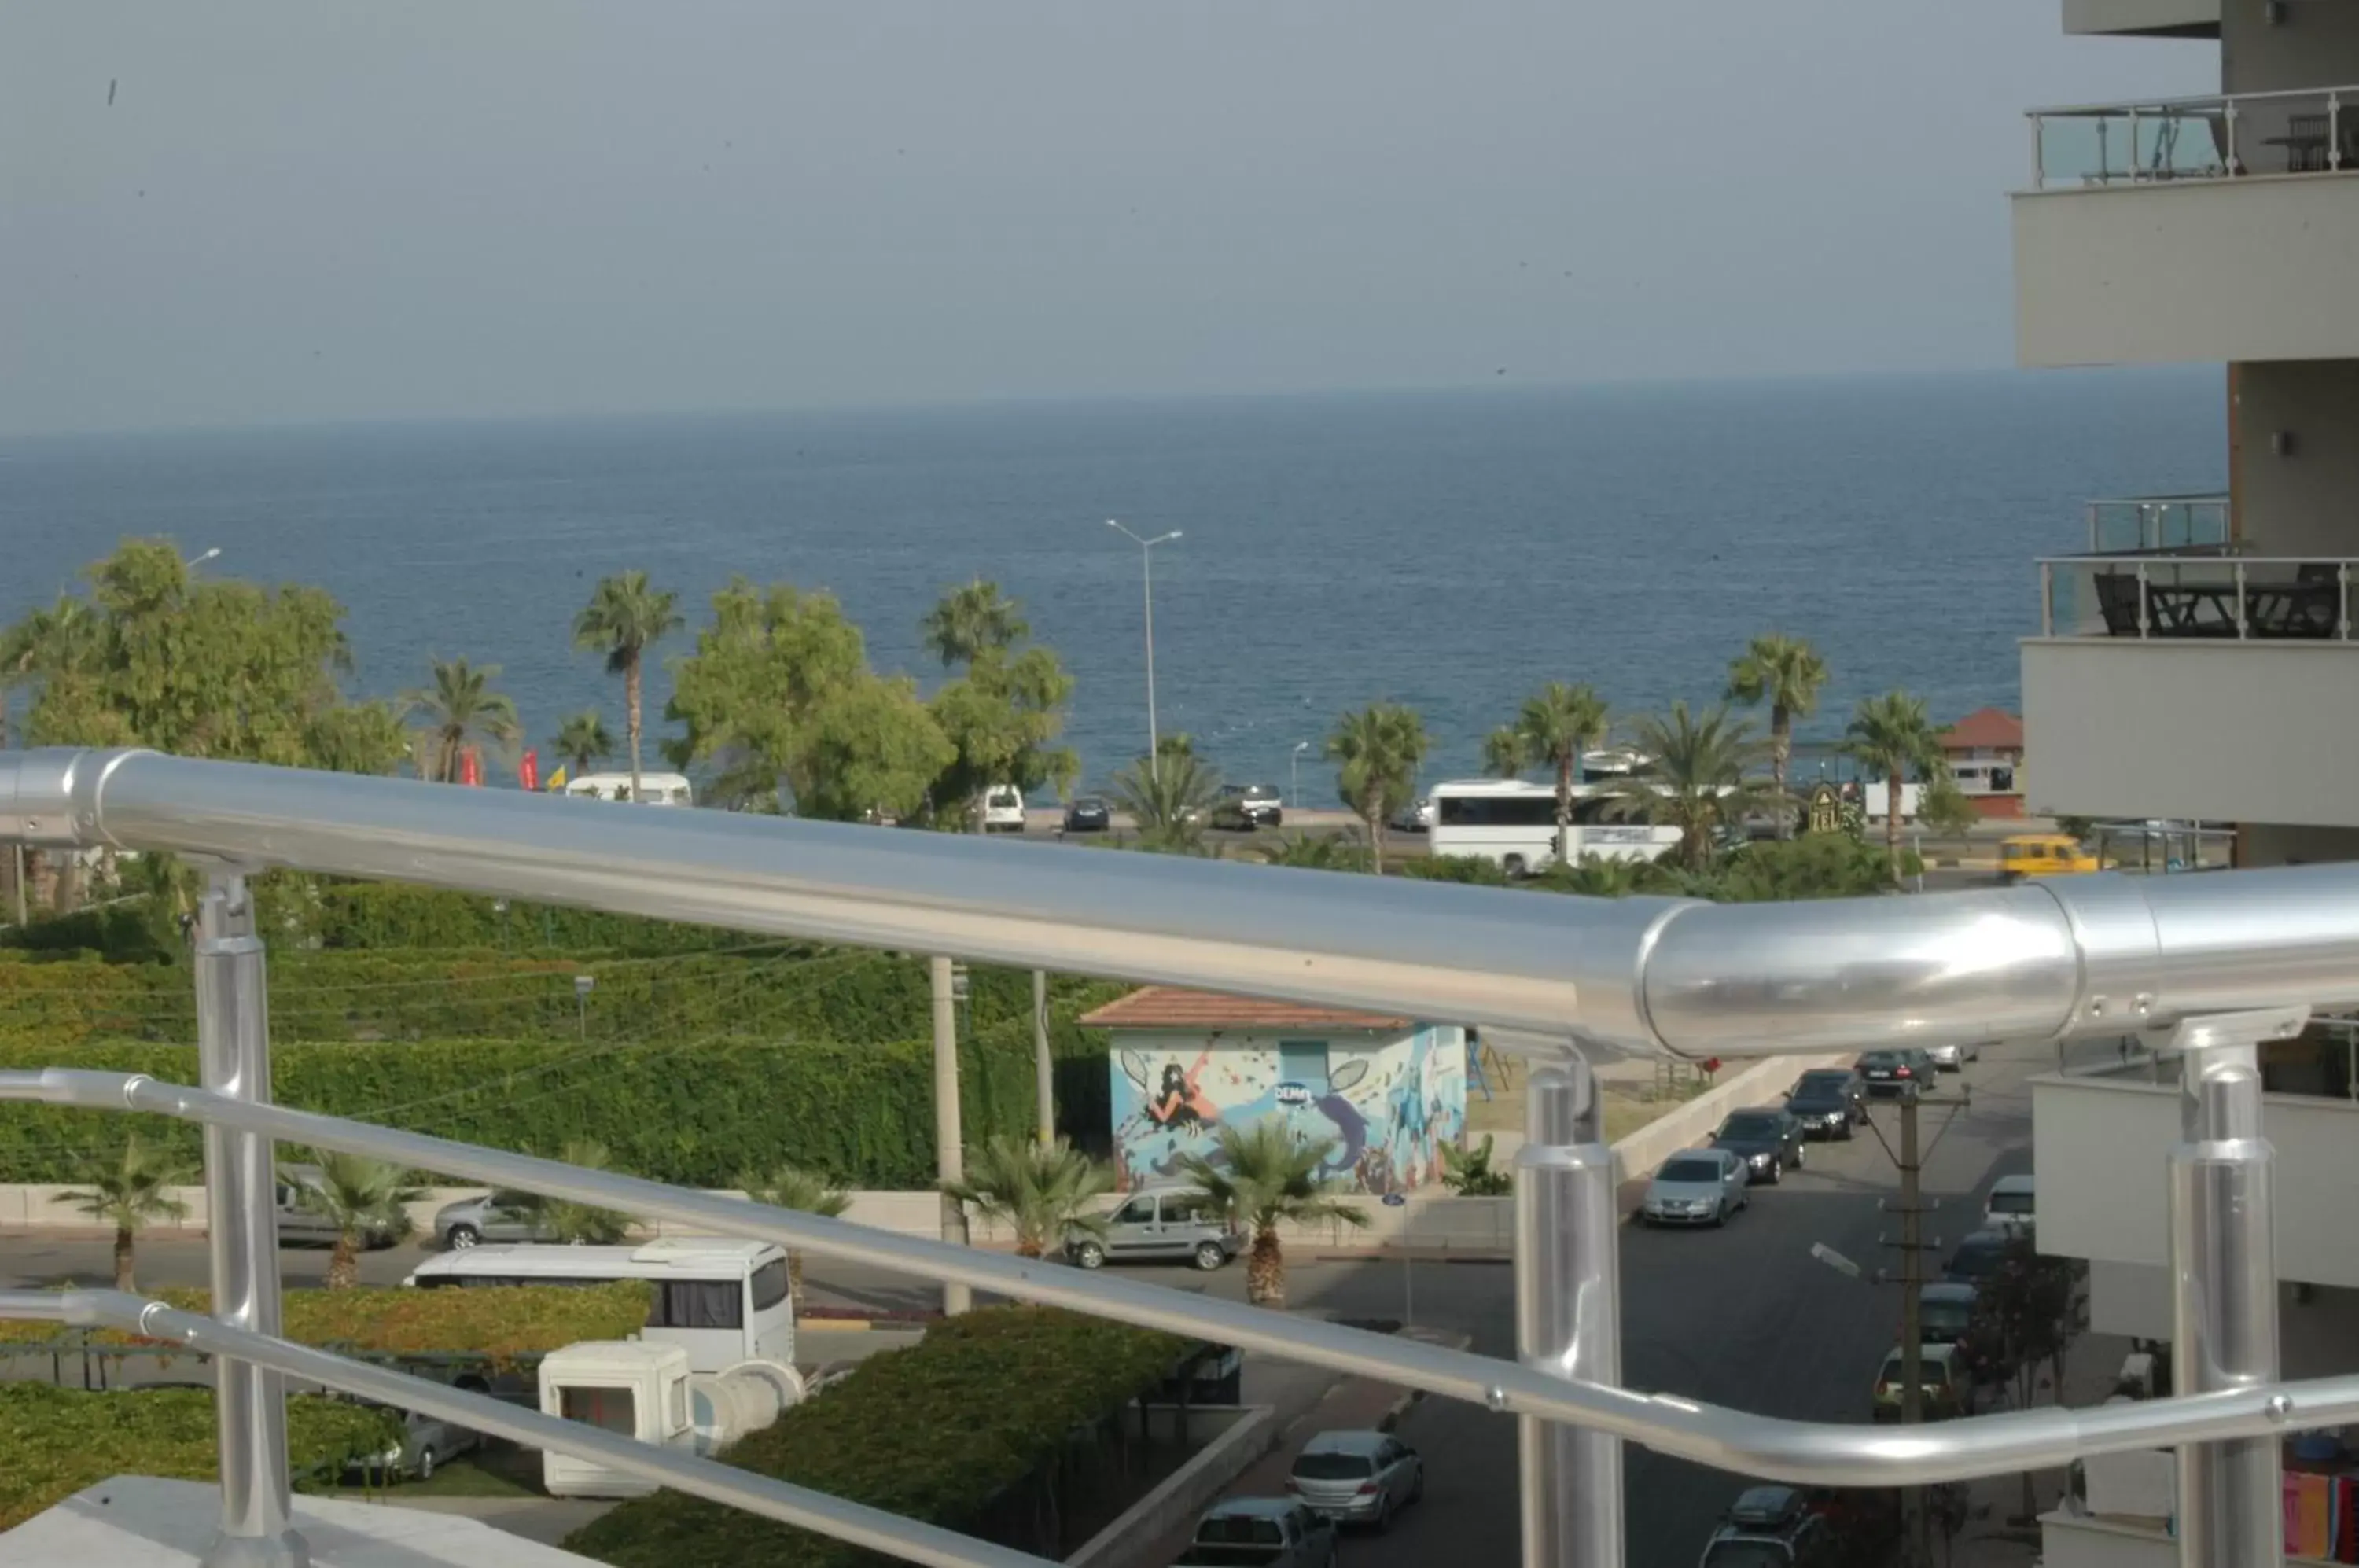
195, 561
583, 986
1147, 569
1294, 771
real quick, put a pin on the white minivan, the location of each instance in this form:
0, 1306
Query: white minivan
2014, 1205
1003, 808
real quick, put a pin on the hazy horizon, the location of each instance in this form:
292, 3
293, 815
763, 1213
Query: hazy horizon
291, 216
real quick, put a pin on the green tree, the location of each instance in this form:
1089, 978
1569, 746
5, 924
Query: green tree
582, 740
129, 1194
1468, 1173
1816, 865
460, 709
581, 1223
1785, 672
1891, 736
1377, 749
366, 1200
1169, 805
1696, 779
360, 737
1503, 754
1943, 807
1553, 727
1265, 1179
1600, 877
1042, 1194
971, 622
1002, 718
1319, 852
624, 618
805, 1191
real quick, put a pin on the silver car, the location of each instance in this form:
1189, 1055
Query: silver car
1697, 1186
1357, 1478
498, 1216
1172, 1223
425, 1443
1954, 1058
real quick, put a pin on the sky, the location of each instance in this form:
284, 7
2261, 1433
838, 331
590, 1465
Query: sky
295, 213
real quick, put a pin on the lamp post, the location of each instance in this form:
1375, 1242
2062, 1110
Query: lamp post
1147, 572
1294, 773
196, 560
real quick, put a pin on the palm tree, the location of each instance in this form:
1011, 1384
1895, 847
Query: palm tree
1379, 749
460, 708
1892, 737
805, 1191
971, 620
1319, 851
582, 740
1043, 1194
1169, 805
1263, 1178
624, 618
1554, 726
1785, 672
1503, 753
366, 1200
579, 1223
1697, 779
129, 1194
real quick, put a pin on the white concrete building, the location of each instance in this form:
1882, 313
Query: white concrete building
2199, 662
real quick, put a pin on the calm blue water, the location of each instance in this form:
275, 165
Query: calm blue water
1448, 550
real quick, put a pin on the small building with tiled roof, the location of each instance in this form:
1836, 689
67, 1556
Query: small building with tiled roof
1384, 1092
1985, 755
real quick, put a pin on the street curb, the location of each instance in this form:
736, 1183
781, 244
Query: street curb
1185, 1491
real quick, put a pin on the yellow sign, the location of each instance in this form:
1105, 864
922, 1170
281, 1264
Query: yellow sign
1826, 808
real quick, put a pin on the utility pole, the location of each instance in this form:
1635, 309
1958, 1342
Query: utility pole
1912, 1285
1044, 1069
949, 1147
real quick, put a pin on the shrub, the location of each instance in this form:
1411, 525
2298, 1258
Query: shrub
936, 1432
59, 1440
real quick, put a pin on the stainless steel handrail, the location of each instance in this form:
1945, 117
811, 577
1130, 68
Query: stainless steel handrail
2083, 955
1804, 1452
856, 1522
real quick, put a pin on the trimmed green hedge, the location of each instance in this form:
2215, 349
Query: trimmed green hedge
935, 1432
58, 1441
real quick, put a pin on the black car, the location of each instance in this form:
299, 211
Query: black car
1897, 1072
1766, 1138
1243, 807
1980, 1256
1829, 1102
1088, 813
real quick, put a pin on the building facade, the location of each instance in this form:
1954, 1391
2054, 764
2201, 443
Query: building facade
1386, 1094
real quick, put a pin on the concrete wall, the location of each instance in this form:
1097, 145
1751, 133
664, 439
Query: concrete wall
2300, 503
2318, 1326
2279, 843
2160, 18
2189, 270
2316, 44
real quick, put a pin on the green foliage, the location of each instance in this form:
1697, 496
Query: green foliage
2023, 1316
1264, 1175
937, 1432
1503, 754
363, 1198
1473, 868
1169, 802
1552, 728
1891, 737
972, 621
128, 1192
581, 1223
59, 1440
792, 1187
1318, 852
461, 711
1040, 1193
1942, 807
1004, 715
2080, 829
1376, 751
582, 740
1468, 1172
1695, 778
1785, 672
624, 618
1816, 865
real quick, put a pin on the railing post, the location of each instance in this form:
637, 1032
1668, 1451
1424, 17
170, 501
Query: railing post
2228, 115
2343, 623
2145, 621
1568, 1316
2225, 1285
2241, 617
2333, 131
2047, 600
2039, 153
950, 1139
241, 1224
2134, 146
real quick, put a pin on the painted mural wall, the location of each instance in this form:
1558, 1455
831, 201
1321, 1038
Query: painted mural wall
1388, 1106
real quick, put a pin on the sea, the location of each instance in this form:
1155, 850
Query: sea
1451, 550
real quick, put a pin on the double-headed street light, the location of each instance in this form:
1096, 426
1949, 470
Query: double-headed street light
1147, 569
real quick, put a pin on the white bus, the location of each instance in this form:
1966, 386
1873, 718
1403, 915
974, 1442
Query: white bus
1513, 823
655, 788
723, 1301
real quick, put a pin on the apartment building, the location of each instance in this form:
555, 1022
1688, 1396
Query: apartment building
2200, 660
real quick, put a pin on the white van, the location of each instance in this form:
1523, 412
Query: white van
722, 1301
2014, 1205
655, 788
1003, 808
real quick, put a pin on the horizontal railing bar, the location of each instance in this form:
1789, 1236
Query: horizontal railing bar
800, 1506
1802, 1453
2197, 100
2167, 554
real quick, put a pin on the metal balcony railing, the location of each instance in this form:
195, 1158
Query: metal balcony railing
2217, 137
2152, 523
2242, 598
2205, 967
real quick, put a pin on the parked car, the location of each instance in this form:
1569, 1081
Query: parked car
300, 1223
1765, 1138
1414, 817
2042, 854
1699, 1186
498, 1216
1897, 1071
1243, 807
1829, 1103
1357, 1478
1954, 1058
1945, 1312
1261, 1533
1948, 1390
1089, 813
1770, 1527
425, 1443
1003, 808
1171, 1222
1979, 1256
2013, 1204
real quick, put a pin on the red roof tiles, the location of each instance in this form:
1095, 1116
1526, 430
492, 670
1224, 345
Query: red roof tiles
1986, 728
1169, 1007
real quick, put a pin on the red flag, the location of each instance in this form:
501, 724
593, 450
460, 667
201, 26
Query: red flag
470, 767
528, 770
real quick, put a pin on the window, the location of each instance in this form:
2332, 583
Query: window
1240, 1530
1190, 1208
1495, 810
769, 1284
1139, 1211
697, 1303
1332, 1468
612, 1409
1303, 1062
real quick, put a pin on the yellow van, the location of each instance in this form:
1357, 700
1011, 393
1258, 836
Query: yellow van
2042, 854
